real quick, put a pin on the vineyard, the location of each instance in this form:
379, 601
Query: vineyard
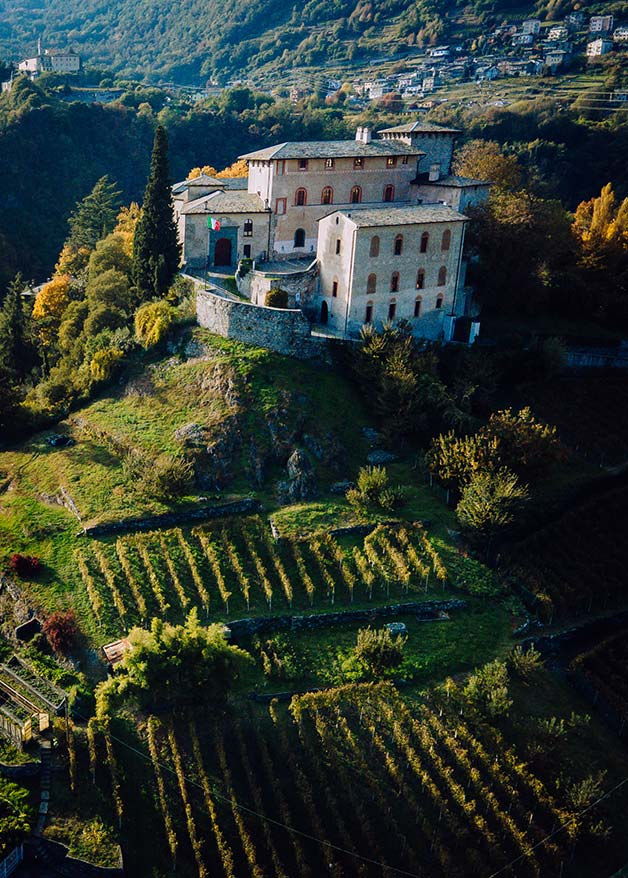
431, 797
578, 564
604, 668
237, 568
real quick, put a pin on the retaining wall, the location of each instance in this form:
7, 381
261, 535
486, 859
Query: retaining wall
243, 628
282, 330
171, 519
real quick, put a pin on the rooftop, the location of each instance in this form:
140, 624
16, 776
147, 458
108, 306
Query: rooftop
205, 180
419, 127
323, 149
372, 217
230, 201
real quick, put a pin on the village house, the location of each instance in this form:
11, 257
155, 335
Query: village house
620, 34
602, 24
601, 46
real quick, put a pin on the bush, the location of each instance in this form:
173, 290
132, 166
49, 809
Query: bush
165, 477
152, 322
276, 298
24, 566
526, 662
378, 651
487, 689
103, 363
61, 630
374, 490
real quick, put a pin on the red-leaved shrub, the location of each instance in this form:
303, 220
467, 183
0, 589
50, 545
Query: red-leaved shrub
24, 566
61, 630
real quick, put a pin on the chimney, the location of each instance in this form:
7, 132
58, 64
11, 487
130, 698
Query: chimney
363, 135
434, 172
358, 134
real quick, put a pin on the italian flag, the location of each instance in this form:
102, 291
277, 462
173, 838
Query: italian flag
213, 224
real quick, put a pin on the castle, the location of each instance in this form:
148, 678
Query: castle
359, 231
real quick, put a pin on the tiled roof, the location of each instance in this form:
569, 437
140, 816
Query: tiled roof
326, 149
402, 216
205, 180
231, 201
420, 128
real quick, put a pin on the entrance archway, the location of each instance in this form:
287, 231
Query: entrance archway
324, 313
222, 252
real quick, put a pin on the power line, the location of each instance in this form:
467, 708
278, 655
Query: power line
234, 804
560, 828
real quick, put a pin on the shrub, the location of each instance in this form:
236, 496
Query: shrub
24, 566
374, 489
103, 363
276, 298
487, 689
152, 322
526, 662
378, 651
61, 630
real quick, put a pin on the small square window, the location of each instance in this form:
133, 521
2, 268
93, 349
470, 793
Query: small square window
329, 163
303, 164
391, 161
358, 163
404, 160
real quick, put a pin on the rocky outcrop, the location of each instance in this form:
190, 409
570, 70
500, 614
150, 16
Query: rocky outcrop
246, 506
301, 482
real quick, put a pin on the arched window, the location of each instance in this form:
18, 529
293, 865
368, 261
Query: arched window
368, 317
389, 193
442, 276
300, 197
356, 195
425, 240
392, 309
398, 246
417, 306
327, 195
420, 279
371, 285
374, 251
394, 282
248, 228
439, 301
299, 238
446, 241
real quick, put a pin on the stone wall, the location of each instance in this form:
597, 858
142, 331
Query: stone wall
172, 519
281, 330
241, 629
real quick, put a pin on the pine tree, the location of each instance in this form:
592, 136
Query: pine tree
156, 249
95, 216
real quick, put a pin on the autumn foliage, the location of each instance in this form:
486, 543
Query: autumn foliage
24, 566
61, 630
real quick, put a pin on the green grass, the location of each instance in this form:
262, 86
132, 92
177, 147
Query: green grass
434, 650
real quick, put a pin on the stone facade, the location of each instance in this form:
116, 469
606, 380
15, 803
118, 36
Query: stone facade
372, 268
281, 330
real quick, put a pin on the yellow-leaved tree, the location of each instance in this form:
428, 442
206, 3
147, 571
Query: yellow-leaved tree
208, 170
125, 226
237, 169
152, 322
601, 227
71, 260
49, 308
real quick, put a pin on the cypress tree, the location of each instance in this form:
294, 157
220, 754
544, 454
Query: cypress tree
156, 249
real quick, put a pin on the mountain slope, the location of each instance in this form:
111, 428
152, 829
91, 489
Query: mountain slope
196, 38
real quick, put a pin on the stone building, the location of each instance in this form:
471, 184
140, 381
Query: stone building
50, 61
391, 263
220, 223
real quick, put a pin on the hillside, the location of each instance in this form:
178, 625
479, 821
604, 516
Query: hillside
194, 39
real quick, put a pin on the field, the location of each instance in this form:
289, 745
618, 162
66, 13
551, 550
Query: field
235, 568
337, 783
579, 561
